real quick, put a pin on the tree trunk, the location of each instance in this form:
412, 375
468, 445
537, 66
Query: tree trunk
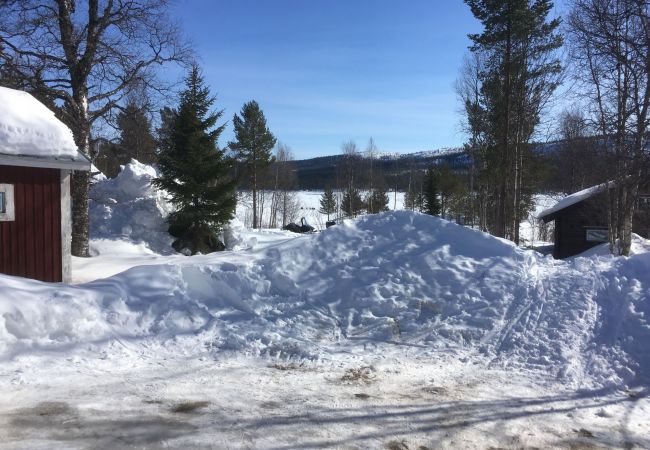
80, 230
284, 207
254, 189
81, 180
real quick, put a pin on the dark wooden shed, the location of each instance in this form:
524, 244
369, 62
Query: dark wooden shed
581, 220
35, 205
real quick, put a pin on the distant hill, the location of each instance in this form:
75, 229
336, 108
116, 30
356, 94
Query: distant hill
551, 167
323, 171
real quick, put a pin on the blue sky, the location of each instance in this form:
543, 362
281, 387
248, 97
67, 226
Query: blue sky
326, 71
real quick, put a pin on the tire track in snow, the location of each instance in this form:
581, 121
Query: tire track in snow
521, 304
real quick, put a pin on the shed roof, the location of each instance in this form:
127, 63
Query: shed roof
576, 197
31, 135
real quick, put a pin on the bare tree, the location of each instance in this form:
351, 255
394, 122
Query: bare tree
473, 123
284, 181
371, 154
580, 156
610, 42
351, 158
87, 55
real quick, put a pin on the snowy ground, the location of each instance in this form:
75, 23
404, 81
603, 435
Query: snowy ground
143, 398
397, 331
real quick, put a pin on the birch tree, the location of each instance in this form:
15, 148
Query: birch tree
610, 47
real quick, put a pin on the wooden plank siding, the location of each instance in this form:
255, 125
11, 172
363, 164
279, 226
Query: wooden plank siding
30, 246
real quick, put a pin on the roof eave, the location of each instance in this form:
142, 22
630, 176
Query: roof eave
80, 163
548, 217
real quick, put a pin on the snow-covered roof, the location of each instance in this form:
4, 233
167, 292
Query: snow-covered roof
31, 131
574, 198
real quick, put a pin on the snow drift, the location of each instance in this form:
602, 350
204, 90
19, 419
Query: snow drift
129, 208
398, 282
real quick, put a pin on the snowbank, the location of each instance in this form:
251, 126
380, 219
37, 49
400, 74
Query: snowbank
400, 283
129, 208
28, 128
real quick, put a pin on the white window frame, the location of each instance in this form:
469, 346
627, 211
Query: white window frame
10, 213
596, 235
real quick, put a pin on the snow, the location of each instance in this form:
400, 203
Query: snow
532, 231
308, 206
391, 278
639, 246
396, 330
574, 198
29, 128
129, 208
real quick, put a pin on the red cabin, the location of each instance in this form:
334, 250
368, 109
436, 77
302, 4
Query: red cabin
37, 157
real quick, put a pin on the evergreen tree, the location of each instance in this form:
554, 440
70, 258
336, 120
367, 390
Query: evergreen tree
195, 172
352, 203
328, 203
166, 129
450, 187
409, 200
430, 193
377, 201
136, 140
420, 202
107, 158
253, 146
518, 71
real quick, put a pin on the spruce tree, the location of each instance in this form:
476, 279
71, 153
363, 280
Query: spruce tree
253, 146
136, 140
431, 200
377, 201
409, 200
352, 203
195, 172
328, 203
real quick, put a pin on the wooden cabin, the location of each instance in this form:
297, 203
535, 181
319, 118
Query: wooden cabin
581, 220
37, 158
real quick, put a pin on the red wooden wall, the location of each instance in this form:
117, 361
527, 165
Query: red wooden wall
30, 246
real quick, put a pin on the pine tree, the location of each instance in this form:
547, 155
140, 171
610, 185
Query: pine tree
377, 201
328, 203
136, 140
253, 146
352, 203
519, 70
409, 200
195, 172
431, 200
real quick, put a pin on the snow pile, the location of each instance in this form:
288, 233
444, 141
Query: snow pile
639, 246
29, 128
128, 207
398, 283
